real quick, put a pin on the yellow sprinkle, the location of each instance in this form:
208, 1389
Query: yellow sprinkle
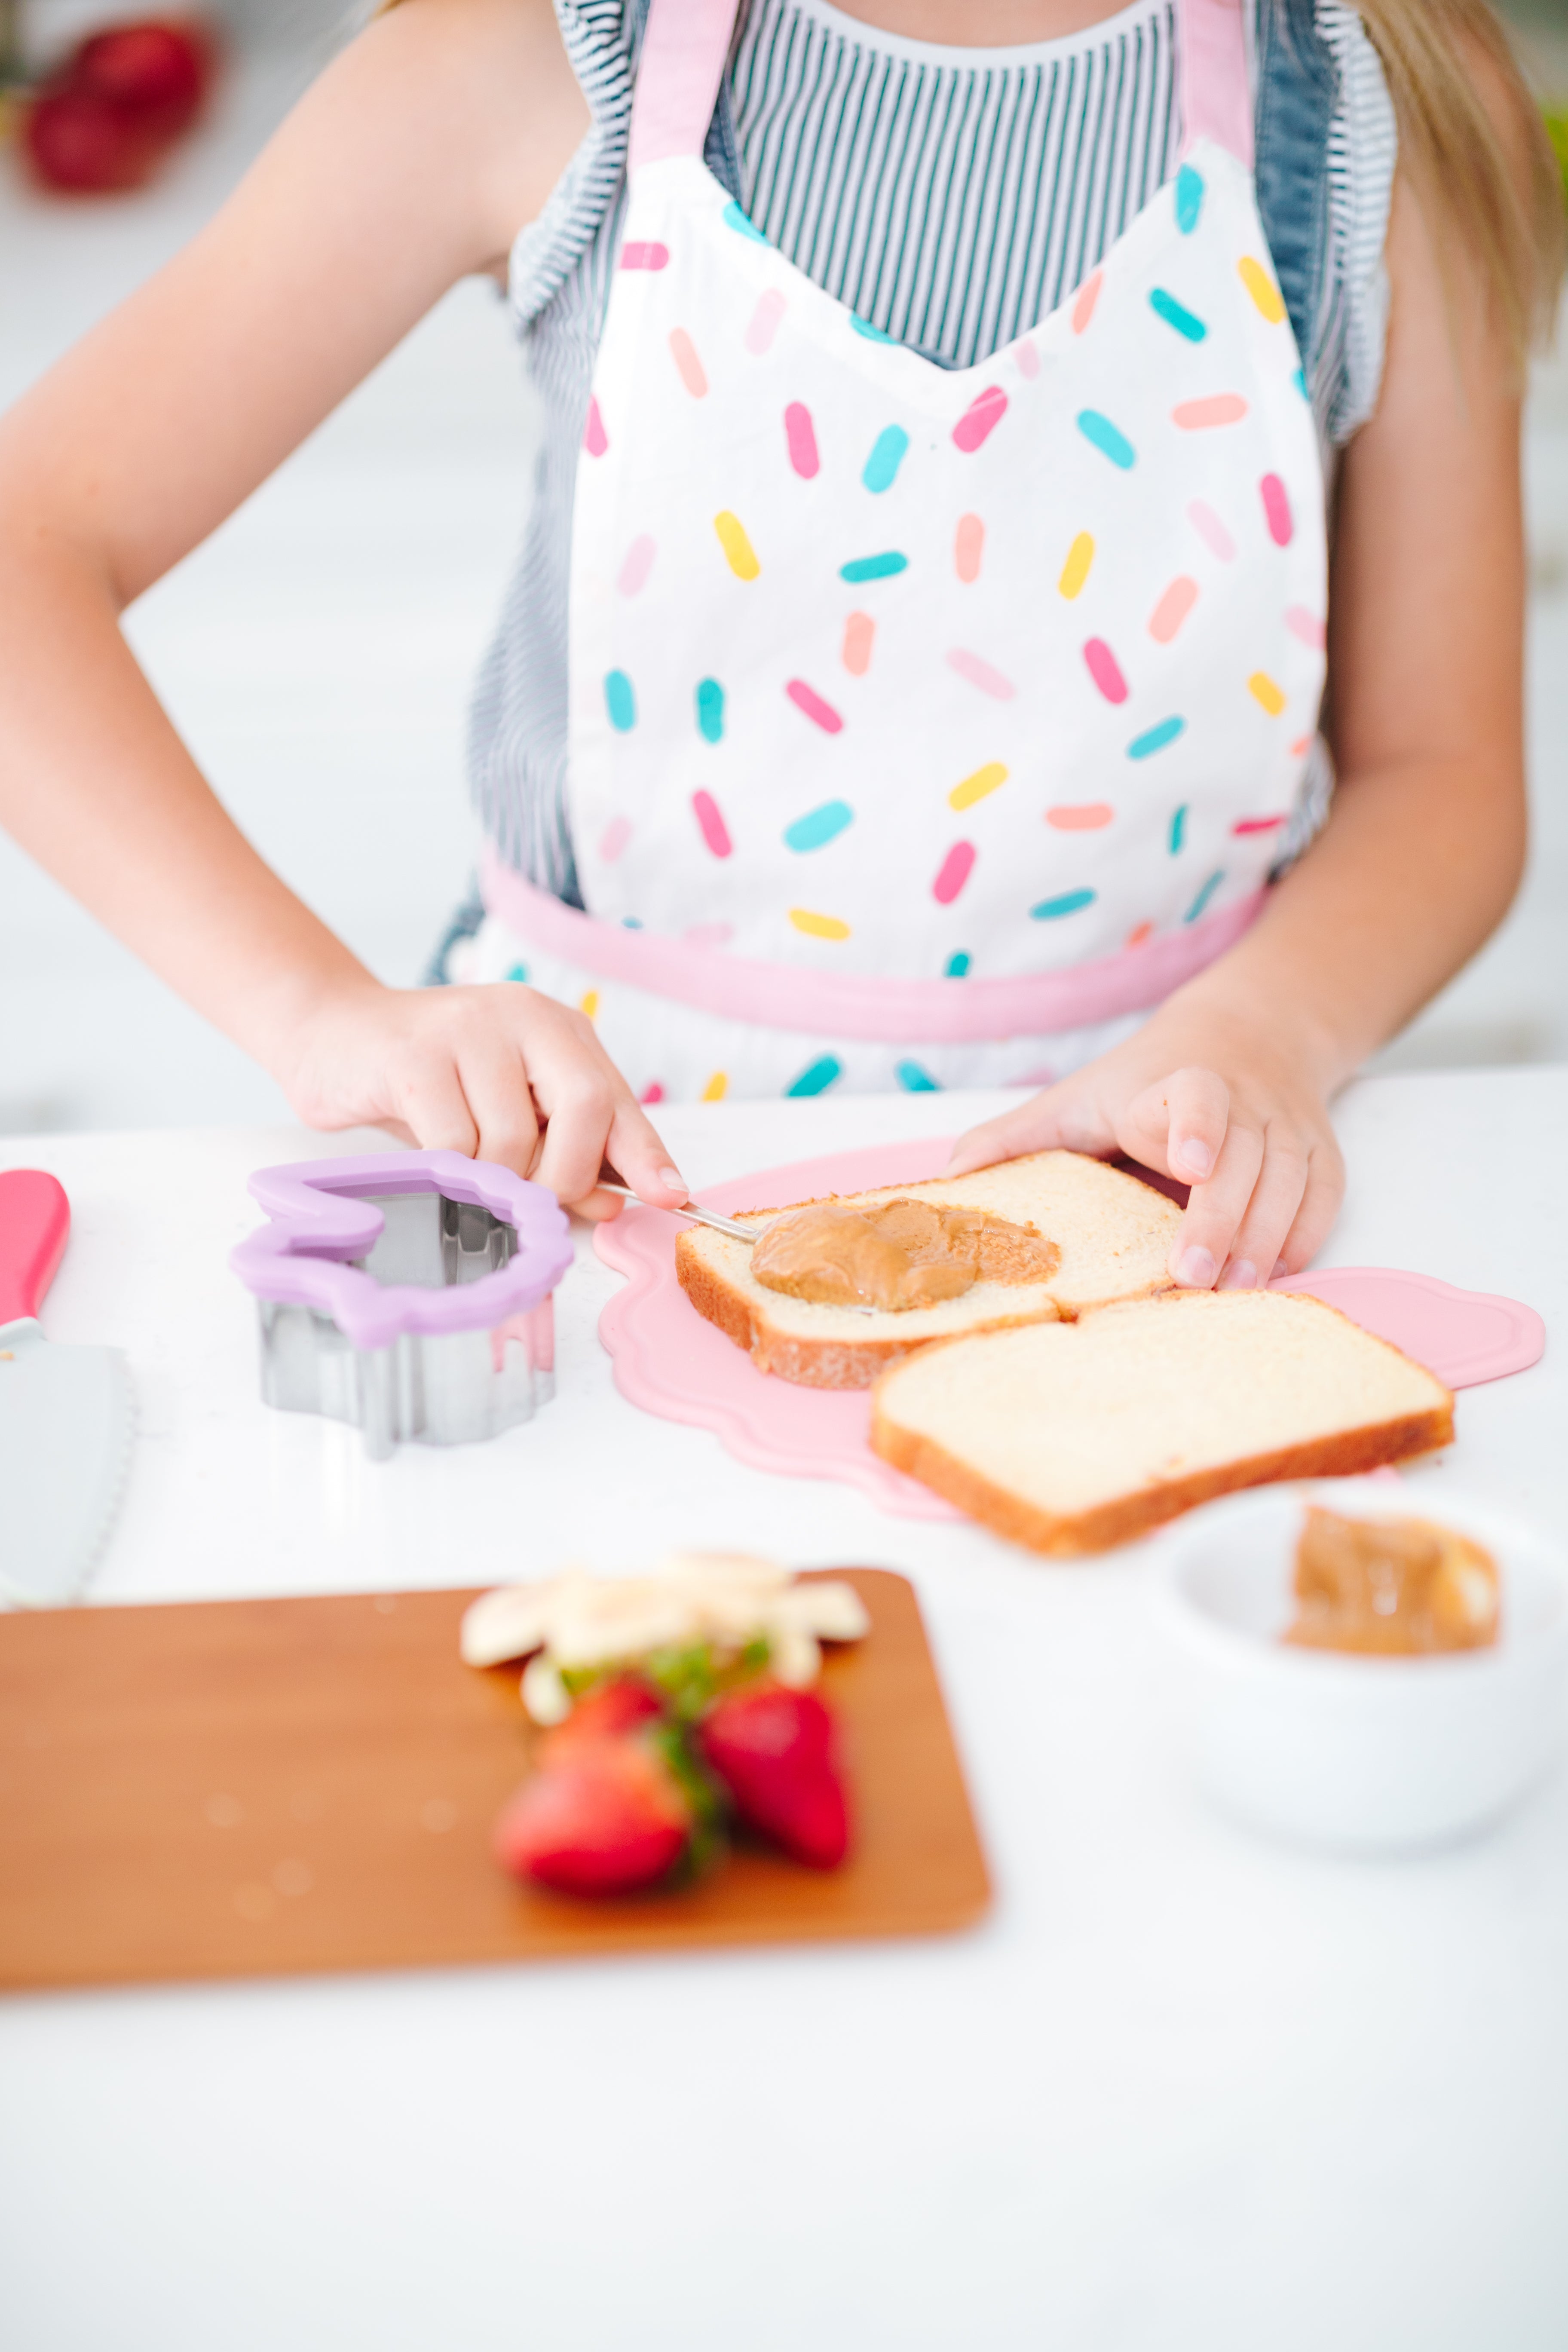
738, 552
590, 1005
717, 1087
975, 787
819, 926
1263, 689
1262, 289
1075, 571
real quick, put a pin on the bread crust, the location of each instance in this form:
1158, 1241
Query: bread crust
1340, 1454
809, 1363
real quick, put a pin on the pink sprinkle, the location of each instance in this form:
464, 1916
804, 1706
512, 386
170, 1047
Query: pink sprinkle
615, 835
801, 435
645, 257
1307, 626
806, 699
1277, 509
1105, 670
981, 674
1173, 609
968, 546
1256, 824
1199, 415
637, 564
715, 832
683, 351
859, 633
956, 868
1028, 359
1139, 934
1088, 296
652, 1094
985, 412
708, 935
1300, 748
1087, 816
764, 321
595, 440
1211, 531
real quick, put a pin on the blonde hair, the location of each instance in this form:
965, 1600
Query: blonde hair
1476, 147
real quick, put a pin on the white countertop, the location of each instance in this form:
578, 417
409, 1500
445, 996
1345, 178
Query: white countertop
1184, 2088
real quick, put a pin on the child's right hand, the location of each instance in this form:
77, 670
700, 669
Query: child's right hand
498, 1073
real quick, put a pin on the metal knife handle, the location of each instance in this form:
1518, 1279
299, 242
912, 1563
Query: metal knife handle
35, 1223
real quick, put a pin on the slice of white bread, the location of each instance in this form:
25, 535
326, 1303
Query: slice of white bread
1070, 1437
1114, 1235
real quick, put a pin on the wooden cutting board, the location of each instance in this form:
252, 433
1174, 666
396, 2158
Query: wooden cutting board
260, 1788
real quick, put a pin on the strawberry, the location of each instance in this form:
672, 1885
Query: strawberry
774, 1751
158, 72
606, 1818
76, 140
608, 1711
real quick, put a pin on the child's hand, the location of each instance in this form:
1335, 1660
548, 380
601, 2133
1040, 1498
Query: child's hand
498, 1073
1203, 1097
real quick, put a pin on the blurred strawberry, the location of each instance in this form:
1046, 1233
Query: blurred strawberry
774, 1751
78, 140
604, 1821
157, 71
607, 1712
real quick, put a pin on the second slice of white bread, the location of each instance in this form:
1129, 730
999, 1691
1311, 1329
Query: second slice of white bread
1070, 1437
1114, 1235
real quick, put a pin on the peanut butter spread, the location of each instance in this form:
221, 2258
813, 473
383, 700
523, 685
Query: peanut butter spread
899, 1254
1392, 1587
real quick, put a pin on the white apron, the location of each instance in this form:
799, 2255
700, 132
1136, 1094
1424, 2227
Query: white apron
927, 726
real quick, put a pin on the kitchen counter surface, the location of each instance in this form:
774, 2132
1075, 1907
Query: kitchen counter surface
1184, 2087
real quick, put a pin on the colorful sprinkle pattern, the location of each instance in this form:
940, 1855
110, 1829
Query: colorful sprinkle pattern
1072, 600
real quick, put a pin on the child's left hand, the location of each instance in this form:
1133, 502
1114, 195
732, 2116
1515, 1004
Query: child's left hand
1202, 1094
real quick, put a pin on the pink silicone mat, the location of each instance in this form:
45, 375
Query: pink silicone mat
672, 1363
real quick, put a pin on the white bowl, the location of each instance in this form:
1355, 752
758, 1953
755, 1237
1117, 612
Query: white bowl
1371, 1754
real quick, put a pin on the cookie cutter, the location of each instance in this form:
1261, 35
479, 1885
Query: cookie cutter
408, 1292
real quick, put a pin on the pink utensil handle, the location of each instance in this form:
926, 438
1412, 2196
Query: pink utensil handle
35, 1224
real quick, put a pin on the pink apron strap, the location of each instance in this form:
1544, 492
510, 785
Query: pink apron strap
684, 49
1216, 93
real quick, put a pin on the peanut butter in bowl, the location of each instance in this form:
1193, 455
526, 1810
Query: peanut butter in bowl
896, 1254
1392, 1587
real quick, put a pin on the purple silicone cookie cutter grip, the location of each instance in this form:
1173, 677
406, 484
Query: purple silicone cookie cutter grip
409, 1292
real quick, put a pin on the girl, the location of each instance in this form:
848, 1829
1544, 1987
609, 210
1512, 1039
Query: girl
914, 673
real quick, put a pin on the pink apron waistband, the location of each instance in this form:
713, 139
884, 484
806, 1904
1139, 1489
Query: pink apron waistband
862, 1006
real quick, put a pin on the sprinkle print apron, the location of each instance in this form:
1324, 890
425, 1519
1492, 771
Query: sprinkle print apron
927, 726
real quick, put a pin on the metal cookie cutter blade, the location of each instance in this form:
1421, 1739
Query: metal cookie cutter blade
410, 1292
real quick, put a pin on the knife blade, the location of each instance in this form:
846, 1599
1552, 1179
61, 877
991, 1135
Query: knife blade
67, 1413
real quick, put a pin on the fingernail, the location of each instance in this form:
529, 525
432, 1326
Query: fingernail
1196, 1269
1279, 1267
1195, 1157
1241, 1274
673, 1181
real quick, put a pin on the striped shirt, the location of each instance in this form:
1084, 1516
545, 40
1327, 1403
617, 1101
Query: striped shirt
953, 197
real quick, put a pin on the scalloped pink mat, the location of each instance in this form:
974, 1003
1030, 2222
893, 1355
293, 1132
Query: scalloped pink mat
672, 1363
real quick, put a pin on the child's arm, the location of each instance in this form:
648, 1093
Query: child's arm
1227, 1084
410, 164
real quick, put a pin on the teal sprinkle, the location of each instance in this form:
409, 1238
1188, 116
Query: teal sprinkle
733, 217
1176, 314
821, 825
874, 567
1068, 903
1144, 747
886, 455
620, 701
1299, 380
631, 922
873, 334
1189, 198
1178, 830
709, 709
1106, 438
816, 1077
1204, 895
518, 971
914, 1080
957, 965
